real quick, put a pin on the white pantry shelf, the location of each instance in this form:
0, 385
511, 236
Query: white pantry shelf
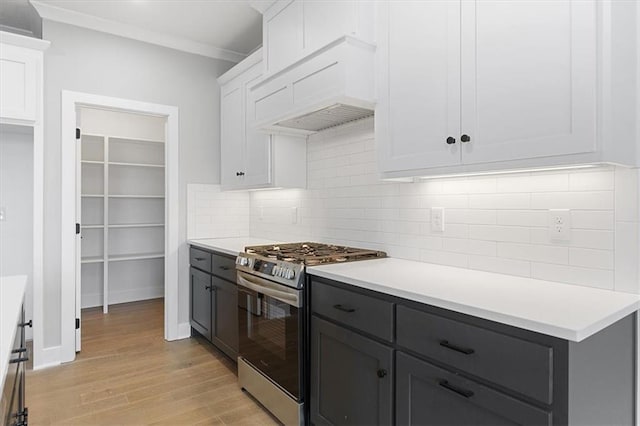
92, 226
134, 256
136, 225
92, 196
112, 163
134, 196
92, 259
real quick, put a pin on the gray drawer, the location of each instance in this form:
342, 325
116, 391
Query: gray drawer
200, 259
224, 267
517, 364
366, 313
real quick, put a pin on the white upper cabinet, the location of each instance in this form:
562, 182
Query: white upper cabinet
292, 29
484, 85
250, 159
528, 79
20, 78
419, 84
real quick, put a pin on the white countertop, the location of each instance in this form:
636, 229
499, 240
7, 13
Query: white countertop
231, 246
566, 311
11, 297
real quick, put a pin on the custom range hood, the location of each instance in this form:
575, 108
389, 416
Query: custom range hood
325, 89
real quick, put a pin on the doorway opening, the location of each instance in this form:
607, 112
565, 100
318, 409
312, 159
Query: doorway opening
120, 200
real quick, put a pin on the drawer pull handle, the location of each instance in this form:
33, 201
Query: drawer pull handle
466, 351
17, 360
344, 308
464, 392
224, 268
199, 259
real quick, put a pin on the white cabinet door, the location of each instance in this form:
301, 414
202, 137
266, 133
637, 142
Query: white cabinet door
283, 34
232, 123
419, 85
257, 145
18, 83
528, 78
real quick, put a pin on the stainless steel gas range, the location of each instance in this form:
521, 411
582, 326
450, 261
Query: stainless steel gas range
272, 325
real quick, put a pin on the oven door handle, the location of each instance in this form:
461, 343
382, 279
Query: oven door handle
270, 289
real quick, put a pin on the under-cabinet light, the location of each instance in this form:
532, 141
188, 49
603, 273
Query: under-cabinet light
504, 172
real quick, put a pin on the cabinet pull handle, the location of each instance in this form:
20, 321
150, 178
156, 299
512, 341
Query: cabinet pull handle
17, 360
465, 138
208, 287
199, 259
451, 140
344, 308
26, 324
239, 173
460, 391
382, 373
466, 351
224, 268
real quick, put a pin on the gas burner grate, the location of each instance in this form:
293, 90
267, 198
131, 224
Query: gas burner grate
314, 253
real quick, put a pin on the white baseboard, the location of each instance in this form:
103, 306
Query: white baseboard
48, 357
93, 300
184, 330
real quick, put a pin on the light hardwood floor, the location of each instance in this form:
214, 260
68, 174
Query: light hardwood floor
128, 374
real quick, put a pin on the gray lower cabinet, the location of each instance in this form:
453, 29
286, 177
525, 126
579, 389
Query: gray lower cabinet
200, 285
13, 410
455, 369
214, 299
224, 329
428, 395
352, 377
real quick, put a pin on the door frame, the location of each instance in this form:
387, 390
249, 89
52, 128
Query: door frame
70, 102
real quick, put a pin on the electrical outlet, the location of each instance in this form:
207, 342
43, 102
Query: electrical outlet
437, 219
294, 215
3, 214
560, 224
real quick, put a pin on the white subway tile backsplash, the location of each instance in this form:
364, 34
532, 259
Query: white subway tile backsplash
215, 214
591, 277
492, 223
533, 252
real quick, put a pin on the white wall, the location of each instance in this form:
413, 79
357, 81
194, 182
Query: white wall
493, 223
16, 197
88, 61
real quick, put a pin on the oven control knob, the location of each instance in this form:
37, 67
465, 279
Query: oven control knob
290, 274
274, 270
242, 261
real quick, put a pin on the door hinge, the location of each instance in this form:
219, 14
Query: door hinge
77, 133
77, 323
77, 228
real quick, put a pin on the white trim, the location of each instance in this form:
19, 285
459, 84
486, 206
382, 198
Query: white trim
184, 330
71, 100
24, 41
49, 357
95, 23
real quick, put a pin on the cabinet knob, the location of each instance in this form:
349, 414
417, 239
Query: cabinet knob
465, 138
451, 140
382, 373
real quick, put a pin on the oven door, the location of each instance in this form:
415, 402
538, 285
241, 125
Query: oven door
270, 326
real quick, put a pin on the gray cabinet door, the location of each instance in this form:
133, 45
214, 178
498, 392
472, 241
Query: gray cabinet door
200, 292
225, 316
428, 395
351, 377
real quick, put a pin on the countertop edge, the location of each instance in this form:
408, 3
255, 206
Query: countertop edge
514, 321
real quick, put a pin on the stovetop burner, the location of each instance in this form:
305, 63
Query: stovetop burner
310, 254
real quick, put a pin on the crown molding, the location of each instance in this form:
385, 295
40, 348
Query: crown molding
23, 41
65, 16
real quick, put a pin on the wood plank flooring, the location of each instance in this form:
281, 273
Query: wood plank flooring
127, 374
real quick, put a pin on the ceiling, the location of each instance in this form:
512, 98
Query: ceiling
226, 29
